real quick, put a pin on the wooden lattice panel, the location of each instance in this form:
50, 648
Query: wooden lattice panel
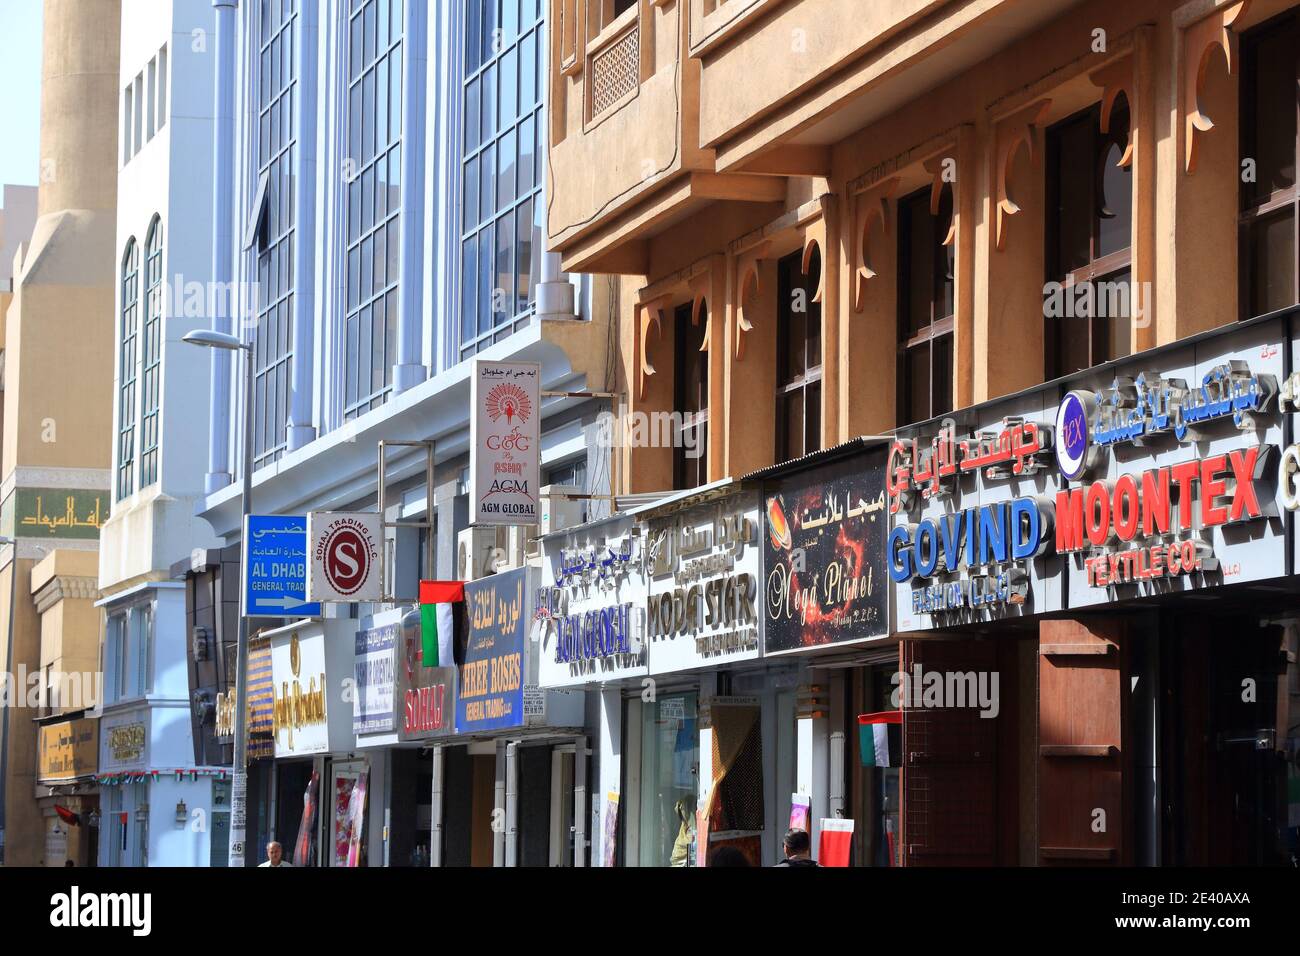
615, 71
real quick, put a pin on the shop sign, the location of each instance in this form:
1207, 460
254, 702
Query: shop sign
590, 616
704, 569
344, 563
1136, 409
987, 546
126, 743
68, 749
972, 519
123, 740
1144, 511
299, 723
824, 548
491, 689
1152, 525
931, 469
1288, 475
428, 693
373, 704
505, 442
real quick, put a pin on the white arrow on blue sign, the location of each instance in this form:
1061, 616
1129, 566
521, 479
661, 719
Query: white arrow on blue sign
275, 567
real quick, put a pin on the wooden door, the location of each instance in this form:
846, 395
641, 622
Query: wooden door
1082, 812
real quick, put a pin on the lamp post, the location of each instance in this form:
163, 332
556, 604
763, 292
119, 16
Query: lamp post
239, 765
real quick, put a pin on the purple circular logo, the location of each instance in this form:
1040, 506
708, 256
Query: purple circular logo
1072, 435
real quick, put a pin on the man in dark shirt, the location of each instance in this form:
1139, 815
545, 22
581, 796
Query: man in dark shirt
798, 849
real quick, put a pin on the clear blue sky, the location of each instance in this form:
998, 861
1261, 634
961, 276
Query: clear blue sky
20, 78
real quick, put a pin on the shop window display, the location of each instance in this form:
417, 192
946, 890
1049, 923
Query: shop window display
670, 760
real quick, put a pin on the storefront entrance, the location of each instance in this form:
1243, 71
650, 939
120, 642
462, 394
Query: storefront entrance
1224, 741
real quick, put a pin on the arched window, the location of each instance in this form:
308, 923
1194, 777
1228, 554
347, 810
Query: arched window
126, 369
151, 344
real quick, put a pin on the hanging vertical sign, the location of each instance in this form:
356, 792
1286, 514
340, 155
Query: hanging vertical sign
505, 442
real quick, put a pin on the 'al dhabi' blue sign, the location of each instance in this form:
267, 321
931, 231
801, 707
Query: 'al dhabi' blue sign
275, 567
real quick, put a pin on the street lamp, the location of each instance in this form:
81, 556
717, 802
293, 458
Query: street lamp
239, 770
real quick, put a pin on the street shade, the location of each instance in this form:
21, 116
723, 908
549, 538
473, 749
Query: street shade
213, 340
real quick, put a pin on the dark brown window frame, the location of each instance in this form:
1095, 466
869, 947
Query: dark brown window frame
1099, 268
1252, 211
687, 338
810, 379
940, 326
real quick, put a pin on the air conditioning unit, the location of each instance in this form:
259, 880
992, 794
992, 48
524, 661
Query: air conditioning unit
482, 551
559, 512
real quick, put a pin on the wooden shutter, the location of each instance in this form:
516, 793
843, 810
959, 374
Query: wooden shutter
949, 765
1081, 705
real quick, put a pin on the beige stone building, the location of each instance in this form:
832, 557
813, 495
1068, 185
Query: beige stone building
838, 218
918, 171
54, 467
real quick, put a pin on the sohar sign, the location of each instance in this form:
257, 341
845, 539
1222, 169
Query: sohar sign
344, 548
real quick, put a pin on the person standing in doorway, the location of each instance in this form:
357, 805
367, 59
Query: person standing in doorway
275, 856
798, 849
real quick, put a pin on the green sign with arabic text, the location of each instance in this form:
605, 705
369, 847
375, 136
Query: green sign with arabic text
59, 513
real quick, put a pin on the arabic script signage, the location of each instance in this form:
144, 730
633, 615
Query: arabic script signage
705, 584
59, 512
68, 749
491, 693
505, 442
824, 542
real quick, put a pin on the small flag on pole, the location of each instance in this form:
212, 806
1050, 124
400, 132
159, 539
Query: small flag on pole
880, 738
441, 607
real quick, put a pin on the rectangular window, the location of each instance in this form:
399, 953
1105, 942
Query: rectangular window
118, 648
277, 99
690, 448
152, 110
162, 87
374, 202
925, 307
137, 130
1087, 305
799, 358
128, 123
1270, 68
501, 212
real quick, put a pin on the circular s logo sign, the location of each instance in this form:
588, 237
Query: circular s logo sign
1288, 478
347, 555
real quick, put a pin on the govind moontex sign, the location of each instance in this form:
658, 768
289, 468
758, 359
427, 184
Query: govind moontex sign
505, 443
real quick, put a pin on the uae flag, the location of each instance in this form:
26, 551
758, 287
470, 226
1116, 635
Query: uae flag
880, 738
442, 605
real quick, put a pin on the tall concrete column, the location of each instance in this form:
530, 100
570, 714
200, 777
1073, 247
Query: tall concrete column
219, 471
301, 427
410, 369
